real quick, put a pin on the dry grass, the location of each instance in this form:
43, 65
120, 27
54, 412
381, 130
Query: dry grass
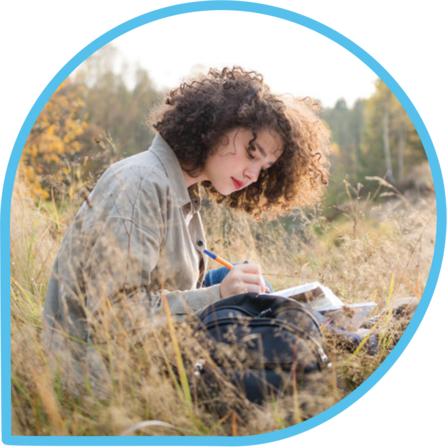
374, 251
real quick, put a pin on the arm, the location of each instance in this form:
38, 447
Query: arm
124, 240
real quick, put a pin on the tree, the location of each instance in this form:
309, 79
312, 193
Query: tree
390, 142
118, 105
347, 127
54, 138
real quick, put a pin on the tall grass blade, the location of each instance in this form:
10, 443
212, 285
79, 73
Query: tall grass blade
390, 293
25, 295
22, 391
234, 424
178, 356
167, 363
275, 411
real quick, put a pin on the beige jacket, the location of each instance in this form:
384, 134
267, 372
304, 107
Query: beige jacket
129, 244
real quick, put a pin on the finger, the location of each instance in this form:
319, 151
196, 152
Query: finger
253, 288
249, 268
251, 279
243, 288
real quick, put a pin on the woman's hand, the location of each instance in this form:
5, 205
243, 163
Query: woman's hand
242, 278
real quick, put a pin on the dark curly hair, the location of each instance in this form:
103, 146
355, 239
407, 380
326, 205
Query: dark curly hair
200, 112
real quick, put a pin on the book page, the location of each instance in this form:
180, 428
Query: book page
320, 298
315, 294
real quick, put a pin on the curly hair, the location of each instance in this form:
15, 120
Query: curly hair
200, 112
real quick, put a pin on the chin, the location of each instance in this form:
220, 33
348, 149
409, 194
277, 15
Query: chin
225, 191
229, 190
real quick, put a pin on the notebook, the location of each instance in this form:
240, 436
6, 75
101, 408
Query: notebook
320, 298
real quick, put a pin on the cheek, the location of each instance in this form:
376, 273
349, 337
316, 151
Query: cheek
227, 164
240, 160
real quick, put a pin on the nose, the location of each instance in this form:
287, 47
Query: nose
252, 173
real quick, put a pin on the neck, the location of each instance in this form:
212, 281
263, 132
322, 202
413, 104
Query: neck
190, 181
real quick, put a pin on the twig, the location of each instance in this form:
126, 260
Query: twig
390, 186
146, 424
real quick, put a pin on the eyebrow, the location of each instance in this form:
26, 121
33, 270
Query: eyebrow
261, 149
263, 152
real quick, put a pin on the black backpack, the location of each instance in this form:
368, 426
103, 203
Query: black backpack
263, 344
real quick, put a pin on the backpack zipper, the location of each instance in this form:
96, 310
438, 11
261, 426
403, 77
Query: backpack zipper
269, 312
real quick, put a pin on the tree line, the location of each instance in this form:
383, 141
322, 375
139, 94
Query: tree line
95, 118
92, 120
375, 137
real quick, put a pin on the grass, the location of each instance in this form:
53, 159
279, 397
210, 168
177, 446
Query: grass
374, 251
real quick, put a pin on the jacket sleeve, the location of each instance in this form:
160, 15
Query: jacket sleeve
123, 238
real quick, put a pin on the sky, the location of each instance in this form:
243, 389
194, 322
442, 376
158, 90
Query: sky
292, 59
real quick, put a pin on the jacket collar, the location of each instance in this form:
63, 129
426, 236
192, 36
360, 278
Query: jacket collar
165, 154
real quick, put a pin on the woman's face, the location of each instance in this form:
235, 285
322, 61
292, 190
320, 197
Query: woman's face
234, 166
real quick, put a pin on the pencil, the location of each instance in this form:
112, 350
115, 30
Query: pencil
223, 262
218, 259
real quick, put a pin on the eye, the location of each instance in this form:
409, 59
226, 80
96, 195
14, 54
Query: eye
250, 153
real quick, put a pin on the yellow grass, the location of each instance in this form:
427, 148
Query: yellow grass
379, 251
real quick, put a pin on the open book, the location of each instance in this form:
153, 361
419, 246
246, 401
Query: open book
322, 299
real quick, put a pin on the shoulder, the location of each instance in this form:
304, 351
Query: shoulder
131, 190
138, 175
156, 171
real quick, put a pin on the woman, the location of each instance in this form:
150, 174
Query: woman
139, 239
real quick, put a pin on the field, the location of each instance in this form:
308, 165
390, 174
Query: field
372, 250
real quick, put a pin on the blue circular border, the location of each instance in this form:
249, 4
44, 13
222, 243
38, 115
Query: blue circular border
5, 233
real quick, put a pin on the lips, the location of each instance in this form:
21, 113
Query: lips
238, 184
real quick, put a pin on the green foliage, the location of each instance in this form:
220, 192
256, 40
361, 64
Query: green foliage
347, 126
400, 131
116, 112
373, 138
